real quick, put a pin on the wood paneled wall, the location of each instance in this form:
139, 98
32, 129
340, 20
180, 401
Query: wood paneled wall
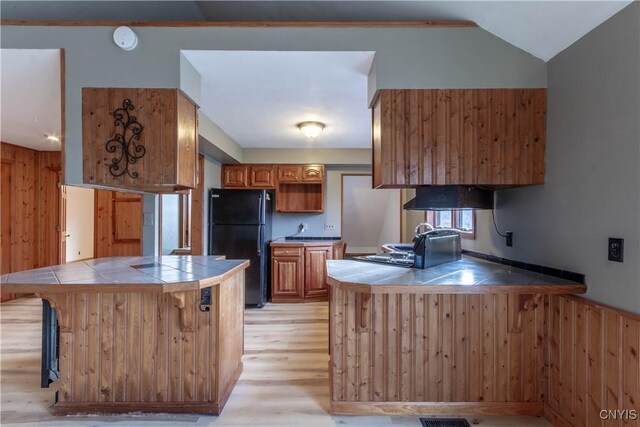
405, 349
118, 224
594, 363
34, 207
123, 352
197, 211
459, 136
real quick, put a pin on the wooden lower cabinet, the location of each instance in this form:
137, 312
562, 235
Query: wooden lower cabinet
287, 277
315, 271
299, 270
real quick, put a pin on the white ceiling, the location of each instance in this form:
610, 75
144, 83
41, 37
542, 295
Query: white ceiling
257, 98
30, 97
543, 28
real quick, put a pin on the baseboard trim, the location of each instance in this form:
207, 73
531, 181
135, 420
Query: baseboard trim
437, 408
72, 408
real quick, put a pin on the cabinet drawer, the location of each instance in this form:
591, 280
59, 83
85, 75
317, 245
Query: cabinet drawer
287, 252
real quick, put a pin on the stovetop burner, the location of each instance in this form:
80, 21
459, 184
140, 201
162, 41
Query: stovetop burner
399, 259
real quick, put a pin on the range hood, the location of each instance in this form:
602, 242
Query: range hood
443, 197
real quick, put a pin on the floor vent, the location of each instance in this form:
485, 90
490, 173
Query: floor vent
444, 422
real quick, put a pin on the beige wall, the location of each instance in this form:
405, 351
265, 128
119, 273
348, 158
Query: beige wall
323, 156
80, 223
370, 217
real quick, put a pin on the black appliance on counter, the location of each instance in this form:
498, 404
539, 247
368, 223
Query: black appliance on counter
49, 368
432, 248
240, 228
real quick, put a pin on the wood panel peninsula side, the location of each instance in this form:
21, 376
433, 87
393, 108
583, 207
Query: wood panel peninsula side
135, 335
466, 337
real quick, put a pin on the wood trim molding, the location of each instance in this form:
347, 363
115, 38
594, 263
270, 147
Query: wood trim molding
436, 408
63, 115
594, 304
245, 24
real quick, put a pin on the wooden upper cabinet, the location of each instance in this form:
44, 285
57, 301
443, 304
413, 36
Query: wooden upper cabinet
298, 188
312, 173
261, 176
139, 139
235, 176
289, 173
491, 137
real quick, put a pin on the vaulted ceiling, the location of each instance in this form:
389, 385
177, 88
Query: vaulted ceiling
542, 28
261, 109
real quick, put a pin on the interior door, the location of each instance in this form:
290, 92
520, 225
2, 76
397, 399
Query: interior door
118, 224
5, 226
63, 223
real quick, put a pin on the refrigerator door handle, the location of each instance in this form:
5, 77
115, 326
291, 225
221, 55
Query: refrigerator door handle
259, 240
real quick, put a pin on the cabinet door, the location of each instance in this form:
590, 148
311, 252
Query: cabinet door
261, 176
313, 173
289, 173
490, 137
286, 277
187, 142
234, 176
315, 265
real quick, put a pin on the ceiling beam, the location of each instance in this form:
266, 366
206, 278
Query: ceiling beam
246, 24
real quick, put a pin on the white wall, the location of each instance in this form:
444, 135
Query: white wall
80, 223
170, 222
369, 217
212, 175
592, 183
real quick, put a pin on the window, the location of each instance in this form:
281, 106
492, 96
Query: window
462, 219
175, 219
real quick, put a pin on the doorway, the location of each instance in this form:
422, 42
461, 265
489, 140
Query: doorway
369, 217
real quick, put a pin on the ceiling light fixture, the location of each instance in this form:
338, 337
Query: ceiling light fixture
53, 138
311, 129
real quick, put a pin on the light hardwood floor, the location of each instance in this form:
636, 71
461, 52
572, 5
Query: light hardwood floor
284, 383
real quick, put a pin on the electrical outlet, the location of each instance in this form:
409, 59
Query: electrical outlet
205, 296
616, 249
509, 238
302, 227
329, 227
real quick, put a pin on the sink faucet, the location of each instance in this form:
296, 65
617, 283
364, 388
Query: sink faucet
424, 224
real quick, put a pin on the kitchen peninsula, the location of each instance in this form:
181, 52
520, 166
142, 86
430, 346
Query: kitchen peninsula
465, 337
144, 334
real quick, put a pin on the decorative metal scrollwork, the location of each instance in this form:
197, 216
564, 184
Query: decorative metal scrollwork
125, 142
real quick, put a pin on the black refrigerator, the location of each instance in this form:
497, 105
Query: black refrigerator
240, 228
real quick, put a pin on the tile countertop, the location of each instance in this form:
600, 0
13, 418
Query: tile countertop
300, 243
126, 274
467, 276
